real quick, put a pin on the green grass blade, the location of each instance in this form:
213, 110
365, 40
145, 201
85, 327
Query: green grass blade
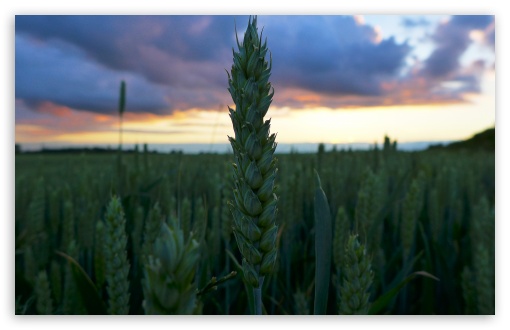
406, 269
86, 288
323, 248
247, 287
384, 300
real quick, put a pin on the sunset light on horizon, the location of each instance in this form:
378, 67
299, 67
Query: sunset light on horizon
337, 79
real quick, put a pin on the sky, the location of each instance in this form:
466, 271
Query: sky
337, 79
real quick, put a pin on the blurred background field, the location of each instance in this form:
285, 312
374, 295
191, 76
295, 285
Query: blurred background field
427, 211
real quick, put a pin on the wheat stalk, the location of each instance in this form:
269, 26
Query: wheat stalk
341, 235
117, 265
68, 224
99, 254
185, 216
200, 220
136, 235
56, 280
29, 264
54, 213
71, 305
255, 205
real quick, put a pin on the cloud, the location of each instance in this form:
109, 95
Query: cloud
47, 121
331, 55
169, 62
490, 35
62, 74
177, 63
160, 48
452, 39
51, 122
442, 70
409, 22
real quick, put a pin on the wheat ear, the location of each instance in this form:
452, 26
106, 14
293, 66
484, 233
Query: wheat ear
357, 279
255, 205
117, 265
43, 294
168, 285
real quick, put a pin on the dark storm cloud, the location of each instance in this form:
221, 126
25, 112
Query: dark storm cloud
169, 62
452, 39
178, 62
331, 55
153, 46
62, 74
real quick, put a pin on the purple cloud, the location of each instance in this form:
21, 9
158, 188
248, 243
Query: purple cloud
178, 62
331, 54
452, 39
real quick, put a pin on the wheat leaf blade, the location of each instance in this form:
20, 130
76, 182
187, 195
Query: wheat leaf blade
323, 248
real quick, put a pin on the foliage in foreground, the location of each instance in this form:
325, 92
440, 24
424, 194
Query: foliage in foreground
62, 205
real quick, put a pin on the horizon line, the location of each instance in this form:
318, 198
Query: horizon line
195, 148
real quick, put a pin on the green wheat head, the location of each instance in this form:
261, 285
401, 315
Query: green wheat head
369, 224
357, 279
151, 232
255, 206
484, 275
369, 203
29, 263
117, 265
44, 304
411, 209
482, 242
168, 285
301, 303
468, 291
37, 225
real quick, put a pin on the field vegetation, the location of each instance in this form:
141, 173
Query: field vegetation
430, 211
